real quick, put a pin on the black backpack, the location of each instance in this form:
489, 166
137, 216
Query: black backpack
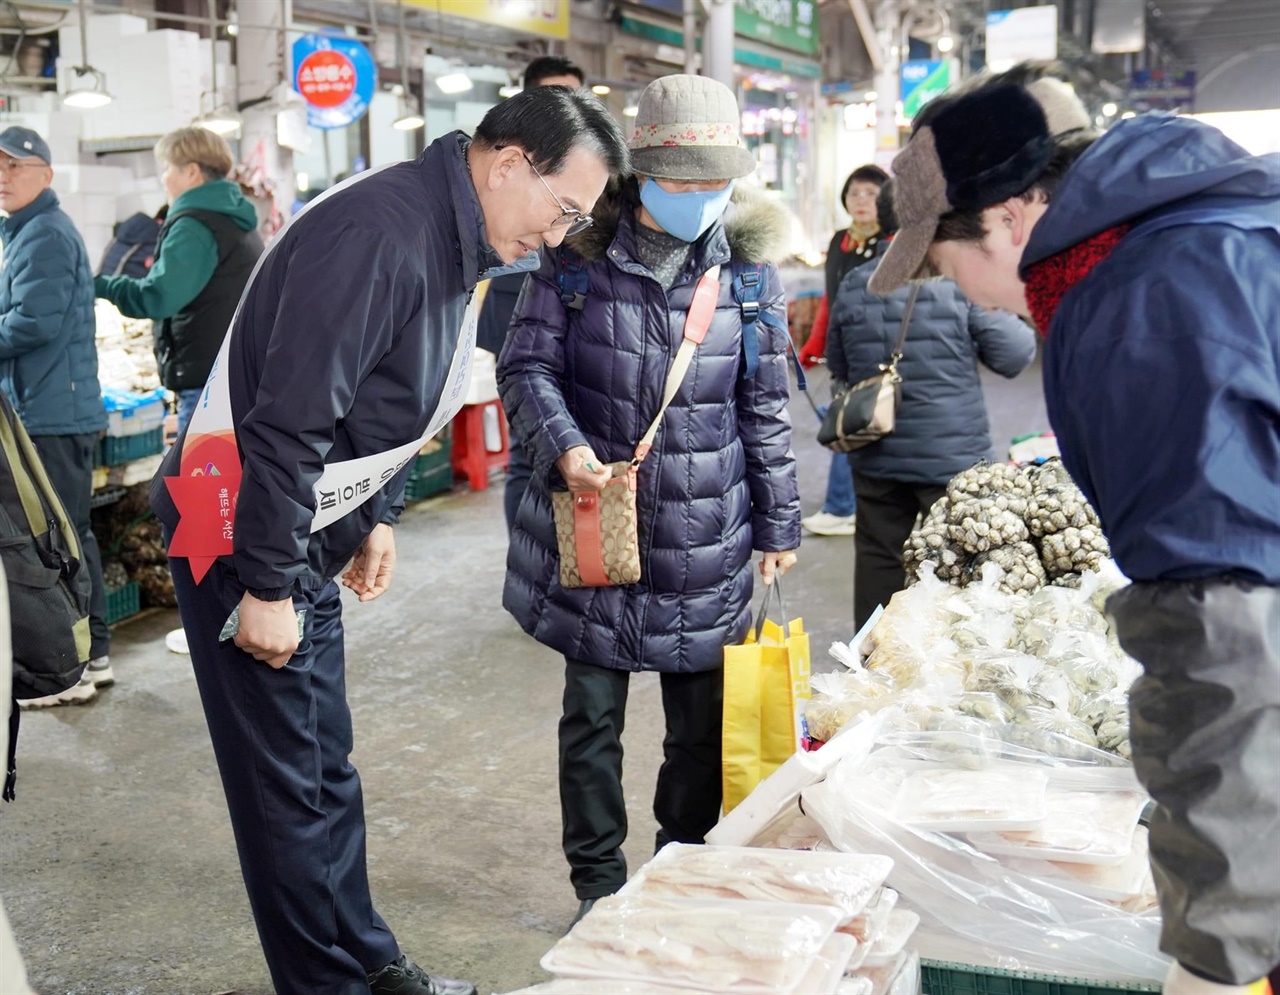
132, 248
48, 585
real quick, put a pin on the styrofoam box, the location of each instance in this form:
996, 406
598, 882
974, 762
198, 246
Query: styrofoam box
77, 178
90, 210
105, 123
103, 33
96, 239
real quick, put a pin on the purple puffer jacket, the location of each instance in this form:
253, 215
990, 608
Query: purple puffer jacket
721, 478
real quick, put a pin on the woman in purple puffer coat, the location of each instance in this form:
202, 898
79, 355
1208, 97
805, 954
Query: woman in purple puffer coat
581, 386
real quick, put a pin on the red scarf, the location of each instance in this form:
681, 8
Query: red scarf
1049, 280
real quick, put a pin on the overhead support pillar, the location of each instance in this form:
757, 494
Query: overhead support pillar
717, 42
888, 85
262, 60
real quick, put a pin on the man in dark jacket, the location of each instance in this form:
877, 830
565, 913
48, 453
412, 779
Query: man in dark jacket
1149, 257
504, 291
350, 349
204, 254
49, 360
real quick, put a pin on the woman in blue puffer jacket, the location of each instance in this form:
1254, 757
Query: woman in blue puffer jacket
941, 426
581, 386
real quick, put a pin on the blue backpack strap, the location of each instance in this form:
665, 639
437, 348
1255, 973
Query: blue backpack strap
571, 274
748, 281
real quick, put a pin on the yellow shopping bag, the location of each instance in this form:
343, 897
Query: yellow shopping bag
765, 679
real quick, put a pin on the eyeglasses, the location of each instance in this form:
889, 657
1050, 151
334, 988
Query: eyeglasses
9, 165
574, 220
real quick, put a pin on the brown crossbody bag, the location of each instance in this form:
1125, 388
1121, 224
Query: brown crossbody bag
597, 532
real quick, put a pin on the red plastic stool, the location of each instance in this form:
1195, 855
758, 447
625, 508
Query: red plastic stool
471, 458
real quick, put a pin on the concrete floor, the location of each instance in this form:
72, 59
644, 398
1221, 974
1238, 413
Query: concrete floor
119, 871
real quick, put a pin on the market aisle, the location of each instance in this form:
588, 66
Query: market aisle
119, 870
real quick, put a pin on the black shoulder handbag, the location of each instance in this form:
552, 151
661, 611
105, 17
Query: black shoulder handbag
866, 412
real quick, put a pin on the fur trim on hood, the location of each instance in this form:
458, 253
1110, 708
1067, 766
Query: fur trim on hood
756, 226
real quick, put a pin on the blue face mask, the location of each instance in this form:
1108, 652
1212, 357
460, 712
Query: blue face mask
684, 215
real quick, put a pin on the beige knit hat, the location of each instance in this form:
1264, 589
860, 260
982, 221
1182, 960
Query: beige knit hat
687, 128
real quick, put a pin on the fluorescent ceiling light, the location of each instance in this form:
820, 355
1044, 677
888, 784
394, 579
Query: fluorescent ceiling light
510, 90
408, 122
1126, 115
454, 83
600, 90
871, 96
223, 121
630, 111
90, 93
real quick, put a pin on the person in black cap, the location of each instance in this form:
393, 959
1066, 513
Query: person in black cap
49, 361
1149, 258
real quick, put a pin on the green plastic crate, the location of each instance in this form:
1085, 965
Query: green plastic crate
122, 602
942, 977
429, 476
432, 473
117, 449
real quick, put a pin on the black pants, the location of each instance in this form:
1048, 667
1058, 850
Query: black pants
887, 511
69, 462
1205, 718
282, 739
687, 801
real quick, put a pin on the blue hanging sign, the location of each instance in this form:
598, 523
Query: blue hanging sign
336, 77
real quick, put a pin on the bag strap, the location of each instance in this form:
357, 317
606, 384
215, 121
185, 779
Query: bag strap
769, 591
573, 279
701, 310
896, 356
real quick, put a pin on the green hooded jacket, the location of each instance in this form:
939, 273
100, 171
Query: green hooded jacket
187, 258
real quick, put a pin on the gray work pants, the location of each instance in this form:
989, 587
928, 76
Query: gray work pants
1206, 745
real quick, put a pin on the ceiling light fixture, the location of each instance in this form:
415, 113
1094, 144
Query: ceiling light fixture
600, 90
510, 90
222, 120
1109, 109
631, 110
410, 117
1126, 115
946, 43
93, 92
871, 96
454, 83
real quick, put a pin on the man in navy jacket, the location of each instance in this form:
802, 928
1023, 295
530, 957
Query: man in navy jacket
1149, 258
342, 350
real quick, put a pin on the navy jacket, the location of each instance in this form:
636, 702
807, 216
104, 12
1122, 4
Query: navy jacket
1162, 365
341, 349
941, 426
720, 479
48, 356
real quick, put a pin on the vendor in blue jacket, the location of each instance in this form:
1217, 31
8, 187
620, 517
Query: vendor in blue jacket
1149, 259
49, 361
352, 339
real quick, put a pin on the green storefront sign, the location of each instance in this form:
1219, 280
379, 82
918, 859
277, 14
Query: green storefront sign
668, 36
790, 24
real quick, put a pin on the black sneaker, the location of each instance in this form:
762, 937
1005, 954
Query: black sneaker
403, 977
